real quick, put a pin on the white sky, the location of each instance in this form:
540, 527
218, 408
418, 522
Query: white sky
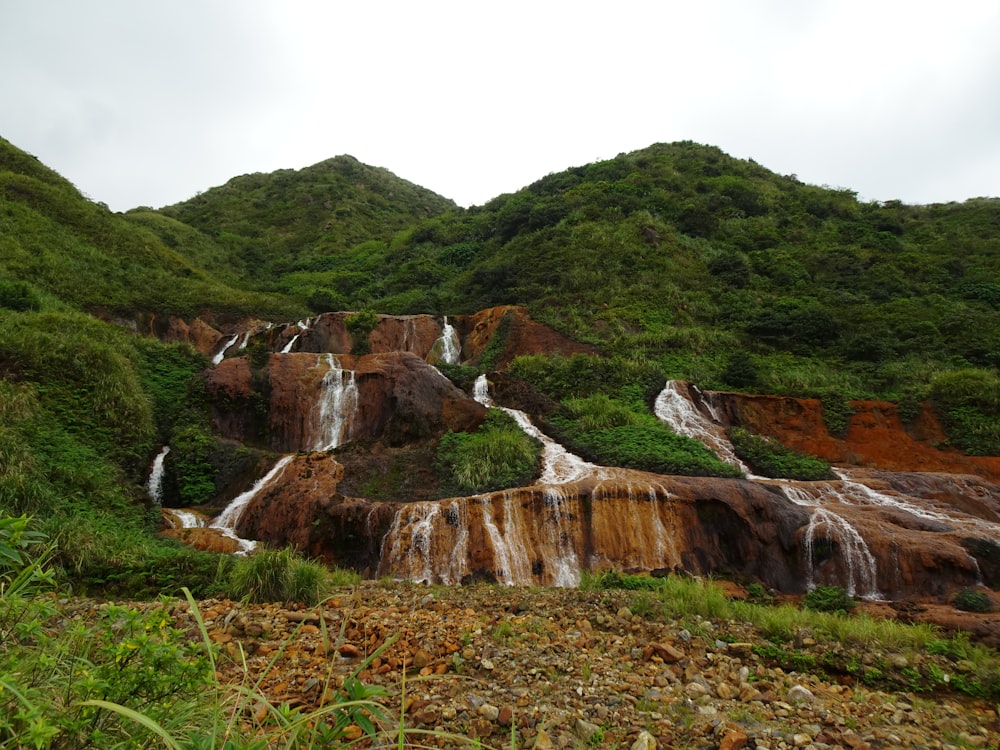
149, 102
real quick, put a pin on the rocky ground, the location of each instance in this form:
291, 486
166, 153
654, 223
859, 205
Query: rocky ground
571, 669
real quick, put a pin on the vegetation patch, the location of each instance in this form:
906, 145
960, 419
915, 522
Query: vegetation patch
767, 457
497, 455
969, 403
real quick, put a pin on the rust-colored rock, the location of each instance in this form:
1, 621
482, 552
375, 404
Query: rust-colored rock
399, 398
876, 436
523, 336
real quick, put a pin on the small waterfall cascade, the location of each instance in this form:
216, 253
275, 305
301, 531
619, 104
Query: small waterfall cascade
227, 521
674, 408
512, 564
858, 561
423, 535
338, 403
639, 531
154, 485
448, 344
303, 326
558, 536
221, 354
185, 519
559, 466
411, 339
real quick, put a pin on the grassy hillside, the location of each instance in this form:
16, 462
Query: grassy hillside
276, 227
712, 267
675, 261
89, 258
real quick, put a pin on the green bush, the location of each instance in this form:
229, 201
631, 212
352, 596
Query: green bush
971, 600
767, 457
837, 412
20, 296
360, 325
498, 455
829, 599
190, 463
646, 444
599, 412
273, 575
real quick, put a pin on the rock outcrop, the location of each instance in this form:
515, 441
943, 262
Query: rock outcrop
904, 519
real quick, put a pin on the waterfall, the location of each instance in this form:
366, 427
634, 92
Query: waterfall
303, 326
559, 466
337, 405
678, 412
221, 354
859, 563
185, 519
155, 483
558, 532
227, 521
428, 537
450, 345
512, 566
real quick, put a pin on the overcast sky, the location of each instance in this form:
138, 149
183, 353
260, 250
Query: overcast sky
149, 103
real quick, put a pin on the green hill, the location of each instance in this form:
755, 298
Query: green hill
712, 267
676, 261
275, 226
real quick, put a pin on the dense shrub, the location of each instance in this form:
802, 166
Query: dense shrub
829, 599
645, 444
971, 600
270, 575
969, 403
498, 455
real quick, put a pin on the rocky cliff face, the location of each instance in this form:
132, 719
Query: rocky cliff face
904, 518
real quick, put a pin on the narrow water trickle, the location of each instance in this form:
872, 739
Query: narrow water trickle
227, 521
221, 354
154, 485
451, 346
186, 519
559, 533
859, 564
559, 466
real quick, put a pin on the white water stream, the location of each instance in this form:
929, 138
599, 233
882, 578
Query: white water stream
338, 404
227, 521
559, 466
449, 343
154, 485
303, 326
678, 412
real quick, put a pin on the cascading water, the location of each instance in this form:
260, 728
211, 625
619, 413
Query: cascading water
559, 466
227, 521
154, 485
421, 536
303, 326
510, 552
338, 404
678, 412
185, 519
859, 564
559, 536
451, 345
221, 354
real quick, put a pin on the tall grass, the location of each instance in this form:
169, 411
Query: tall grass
498, 455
